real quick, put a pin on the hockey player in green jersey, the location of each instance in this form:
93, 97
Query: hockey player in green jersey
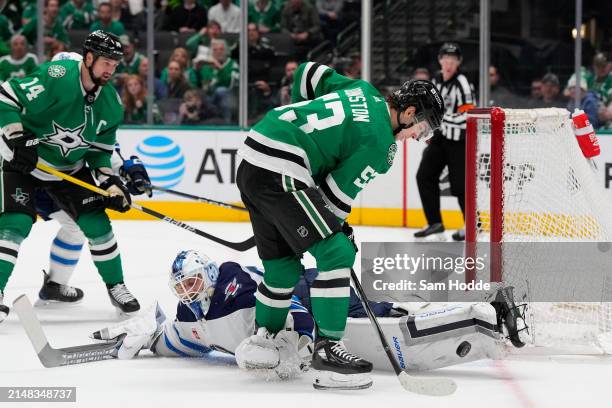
302, 167
64, 115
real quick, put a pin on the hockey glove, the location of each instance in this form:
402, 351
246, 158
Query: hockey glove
19, 148
119, 199
134, 172
348, 231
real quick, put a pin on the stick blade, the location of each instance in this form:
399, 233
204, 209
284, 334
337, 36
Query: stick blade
437, 387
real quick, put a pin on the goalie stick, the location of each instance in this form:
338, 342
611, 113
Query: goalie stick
56, 357
238, 246
419, 385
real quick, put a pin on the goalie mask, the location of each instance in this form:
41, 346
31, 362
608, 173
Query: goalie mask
426, 99
192, 280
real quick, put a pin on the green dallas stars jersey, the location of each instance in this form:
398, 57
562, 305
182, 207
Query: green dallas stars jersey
50, 103
336, 135
11, 68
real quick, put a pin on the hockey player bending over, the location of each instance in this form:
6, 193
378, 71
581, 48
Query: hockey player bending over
303, 165
216, 311
65, 114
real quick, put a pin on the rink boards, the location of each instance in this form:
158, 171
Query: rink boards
204, 163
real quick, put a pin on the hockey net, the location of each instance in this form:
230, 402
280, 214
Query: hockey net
527, 181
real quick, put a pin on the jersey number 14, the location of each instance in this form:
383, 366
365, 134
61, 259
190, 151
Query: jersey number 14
33, 88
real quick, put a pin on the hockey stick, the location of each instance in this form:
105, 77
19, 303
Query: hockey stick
238, 246
199, 199
180, 194
419, 385
56, 357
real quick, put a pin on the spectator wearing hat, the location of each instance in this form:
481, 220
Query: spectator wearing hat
589, 101
600, 79
551, 92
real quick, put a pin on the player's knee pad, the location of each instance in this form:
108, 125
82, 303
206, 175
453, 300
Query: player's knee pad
282, 272
15, 226
334, 252
94, 224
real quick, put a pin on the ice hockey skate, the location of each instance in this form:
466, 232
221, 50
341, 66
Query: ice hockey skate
122, 298
338, 369
433, 232
53, 292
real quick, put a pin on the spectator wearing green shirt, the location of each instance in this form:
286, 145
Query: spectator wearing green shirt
600, 80
199, 43
77, 14
265, 14
105, 21
54, 31
181, 55
220, 78
6, 28
20, 62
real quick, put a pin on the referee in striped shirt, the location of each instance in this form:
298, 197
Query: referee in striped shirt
447, 147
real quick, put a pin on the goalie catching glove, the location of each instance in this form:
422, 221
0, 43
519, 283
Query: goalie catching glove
19, 148
119, 199
140, 332
286, 353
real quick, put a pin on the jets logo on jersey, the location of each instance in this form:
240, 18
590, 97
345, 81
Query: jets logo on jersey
56, 71
20, 197
68, 140
231, 289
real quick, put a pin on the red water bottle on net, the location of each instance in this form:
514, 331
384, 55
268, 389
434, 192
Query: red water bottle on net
585, 134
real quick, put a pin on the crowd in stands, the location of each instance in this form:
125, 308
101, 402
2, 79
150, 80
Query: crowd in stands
197, 82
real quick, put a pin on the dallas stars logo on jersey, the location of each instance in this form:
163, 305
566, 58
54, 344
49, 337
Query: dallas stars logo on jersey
68, 140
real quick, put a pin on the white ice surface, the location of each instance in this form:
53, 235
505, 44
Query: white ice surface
147, 250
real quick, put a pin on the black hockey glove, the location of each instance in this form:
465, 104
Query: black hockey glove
25, 153
119, 199
134, 172
348, 231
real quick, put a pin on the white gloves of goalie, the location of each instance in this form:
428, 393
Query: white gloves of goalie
138, 333
287, 353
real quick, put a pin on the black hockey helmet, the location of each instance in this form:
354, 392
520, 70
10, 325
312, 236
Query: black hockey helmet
103, 44
425, 97
450, 48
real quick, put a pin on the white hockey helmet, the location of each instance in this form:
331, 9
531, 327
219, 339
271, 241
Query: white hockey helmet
193, 277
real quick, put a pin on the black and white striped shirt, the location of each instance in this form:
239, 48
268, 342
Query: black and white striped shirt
458, 95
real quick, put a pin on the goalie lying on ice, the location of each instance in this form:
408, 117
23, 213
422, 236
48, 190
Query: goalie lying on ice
217, 312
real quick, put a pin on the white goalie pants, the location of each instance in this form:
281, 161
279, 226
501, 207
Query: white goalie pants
441, 335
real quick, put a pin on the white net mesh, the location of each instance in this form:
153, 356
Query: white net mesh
550, 194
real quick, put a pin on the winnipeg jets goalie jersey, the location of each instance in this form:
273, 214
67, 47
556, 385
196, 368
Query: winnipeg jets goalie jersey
230, 317
73, 127
335, 135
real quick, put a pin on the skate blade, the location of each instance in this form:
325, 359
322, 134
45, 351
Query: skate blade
124, 315
329, 380
439, 237
54, 304
3, 316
